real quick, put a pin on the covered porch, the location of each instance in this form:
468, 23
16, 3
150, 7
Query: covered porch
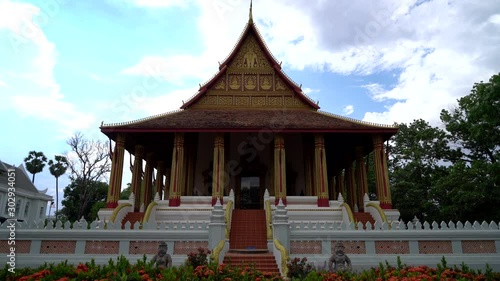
287, 163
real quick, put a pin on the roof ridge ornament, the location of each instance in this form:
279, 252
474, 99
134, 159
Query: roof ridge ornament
250, 16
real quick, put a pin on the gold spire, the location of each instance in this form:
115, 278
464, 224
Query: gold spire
250, 18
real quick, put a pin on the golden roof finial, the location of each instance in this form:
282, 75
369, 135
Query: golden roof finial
250, 17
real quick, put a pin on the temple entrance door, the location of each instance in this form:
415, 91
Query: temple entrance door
250, 193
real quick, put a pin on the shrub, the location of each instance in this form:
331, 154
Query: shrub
199, 258
299, 268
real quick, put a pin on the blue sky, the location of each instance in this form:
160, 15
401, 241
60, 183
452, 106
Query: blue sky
65, 66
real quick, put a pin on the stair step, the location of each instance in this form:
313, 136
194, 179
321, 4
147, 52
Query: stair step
264, 262
132, 217
248, 230
248, 242
364, 218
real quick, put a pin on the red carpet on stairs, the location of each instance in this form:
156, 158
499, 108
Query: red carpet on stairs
363, 218
248, 242
132, 217
248, 230
263, 262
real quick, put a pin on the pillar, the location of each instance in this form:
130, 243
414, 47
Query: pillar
350, 185
339, 183
148, 180
137, 176
361, 179
115, 181
191, 146
279, 169
342, 183
177, 172
381, 173
331, 190
160, 169
166, 187
218, 169
320, 171
308, 167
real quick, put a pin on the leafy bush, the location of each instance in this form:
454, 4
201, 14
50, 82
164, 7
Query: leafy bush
199, 258
143, 270
299, 268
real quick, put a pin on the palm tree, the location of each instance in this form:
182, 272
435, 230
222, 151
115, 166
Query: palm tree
58, 168
35, 162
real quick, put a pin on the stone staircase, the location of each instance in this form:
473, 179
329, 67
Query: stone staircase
262, 261
363, 218
248, 230
248, 242
132, 217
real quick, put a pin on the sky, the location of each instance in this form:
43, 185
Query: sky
67, 66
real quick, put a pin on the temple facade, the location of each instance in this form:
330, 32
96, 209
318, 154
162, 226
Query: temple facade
248, 130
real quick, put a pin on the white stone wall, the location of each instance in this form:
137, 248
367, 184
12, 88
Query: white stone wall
475, 244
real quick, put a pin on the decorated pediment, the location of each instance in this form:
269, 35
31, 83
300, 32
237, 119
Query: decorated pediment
250, 78
250, 58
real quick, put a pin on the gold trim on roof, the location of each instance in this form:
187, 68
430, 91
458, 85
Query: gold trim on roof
357, 121
137, 121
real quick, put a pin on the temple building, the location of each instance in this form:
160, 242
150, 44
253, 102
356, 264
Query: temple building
28, 203
249, 132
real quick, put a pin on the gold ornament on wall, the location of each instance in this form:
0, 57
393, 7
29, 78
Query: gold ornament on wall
250, 82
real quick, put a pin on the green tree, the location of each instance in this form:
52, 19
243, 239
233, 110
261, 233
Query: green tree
451, 174
89, 165
125, 193
475, 124
416, 162
77, 193
57, 168
35, 162
474, 127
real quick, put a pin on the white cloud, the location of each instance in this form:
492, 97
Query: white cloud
308, 91
36, 92
165, 103
495, 19
437, 48
161, 3
174, 69
375, 90
348, 110
3, 84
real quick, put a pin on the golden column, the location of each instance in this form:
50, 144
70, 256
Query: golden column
308, 166
331, 188
350, 185
166, 187
338, 184
137, 176
160, 169
341, 183
361, 179
320, 172
279, 169
148, 180
218, 174
115, 181
381, 172
177, 172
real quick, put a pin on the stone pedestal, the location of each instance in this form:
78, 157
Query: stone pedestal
217, 226
281, 227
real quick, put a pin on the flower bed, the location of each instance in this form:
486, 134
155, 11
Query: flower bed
122, 269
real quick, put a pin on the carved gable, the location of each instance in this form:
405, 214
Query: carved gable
249, 80
250, 58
